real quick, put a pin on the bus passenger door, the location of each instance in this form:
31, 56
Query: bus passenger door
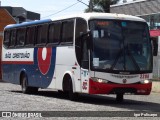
82, 53
85, 80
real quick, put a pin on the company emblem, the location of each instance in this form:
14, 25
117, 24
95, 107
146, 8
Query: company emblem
44, 59
124, 80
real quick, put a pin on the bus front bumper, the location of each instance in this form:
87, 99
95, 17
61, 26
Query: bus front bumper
113, 88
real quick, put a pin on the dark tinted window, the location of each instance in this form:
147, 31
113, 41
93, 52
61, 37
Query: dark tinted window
6, 38
30, 37
51, 35
42, 31
81, 27
21, 36
67, 31
54, 33
13, 38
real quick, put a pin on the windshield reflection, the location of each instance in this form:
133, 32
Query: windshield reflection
120, 45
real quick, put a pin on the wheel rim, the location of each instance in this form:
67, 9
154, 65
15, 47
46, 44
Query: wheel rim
24, 85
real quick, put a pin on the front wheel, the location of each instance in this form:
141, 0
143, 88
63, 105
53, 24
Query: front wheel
72, 96
119, 97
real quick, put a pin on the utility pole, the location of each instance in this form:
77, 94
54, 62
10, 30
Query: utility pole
90, 6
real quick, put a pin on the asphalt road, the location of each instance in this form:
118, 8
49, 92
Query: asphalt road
11, 99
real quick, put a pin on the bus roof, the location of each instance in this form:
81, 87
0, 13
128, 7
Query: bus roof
89, 16
86, 16
28, 23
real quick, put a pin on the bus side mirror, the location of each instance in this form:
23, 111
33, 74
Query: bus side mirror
86, 37
85, 46
85, 64
155, 46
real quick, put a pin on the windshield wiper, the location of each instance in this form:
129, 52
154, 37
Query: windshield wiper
132, 58
117, 58
129, 54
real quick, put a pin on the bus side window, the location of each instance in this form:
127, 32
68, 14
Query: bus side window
67, 31
13, 38
50, 33
21, 37
30, 37
42, 32
54, 33
6, 38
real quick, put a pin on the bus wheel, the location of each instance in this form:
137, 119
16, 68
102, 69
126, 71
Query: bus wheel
72, 96
25, 88
119, 97
24, 84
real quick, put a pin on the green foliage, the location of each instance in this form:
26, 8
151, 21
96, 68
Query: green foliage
102, 5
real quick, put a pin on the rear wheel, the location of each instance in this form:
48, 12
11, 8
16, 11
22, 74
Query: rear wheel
25, 88
24, 84
119, 97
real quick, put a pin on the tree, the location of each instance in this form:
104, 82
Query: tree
101, 5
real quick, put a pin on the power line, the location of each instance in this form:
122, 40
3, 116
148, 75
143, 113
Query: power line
91, 6
83, 3
97, 3
62, 10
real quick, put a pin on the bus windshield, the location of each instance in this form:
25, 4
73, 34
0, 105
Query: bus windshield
120, 46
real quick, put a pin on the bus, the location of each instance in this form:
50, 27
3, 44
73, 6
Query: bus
90, 53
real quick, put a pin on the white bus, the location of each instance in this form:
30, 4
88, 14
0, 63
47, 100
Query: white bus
92, 53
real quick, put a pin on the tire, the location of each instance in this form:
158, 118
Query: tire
61, 92
72, 96
25, 88
24, 84
119, 97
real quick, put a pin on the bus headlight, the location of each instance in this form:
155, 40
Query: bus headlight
145, 81
100, 80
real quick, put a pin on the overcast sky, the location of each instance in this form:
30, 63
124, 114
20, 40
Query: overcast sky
49, 8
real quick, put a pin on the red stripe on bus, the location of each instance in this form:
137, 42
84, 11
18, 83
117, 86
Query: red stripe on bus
106, 88
17, 62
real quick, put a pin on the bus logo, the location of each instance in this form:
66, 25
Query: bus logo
124, 80
44, 59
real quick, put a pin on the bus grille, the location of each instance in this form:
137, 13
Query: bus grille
123, 90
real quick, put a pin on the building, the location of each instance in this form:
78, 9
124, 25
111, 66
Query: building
147, 9
150, 11
5, 19
22, 15
13, 15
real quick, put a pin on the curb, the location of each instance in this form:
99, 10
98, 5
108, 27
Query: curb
156, 86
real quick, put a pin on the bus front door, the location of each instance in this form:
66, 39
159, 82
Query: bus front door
85, 80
